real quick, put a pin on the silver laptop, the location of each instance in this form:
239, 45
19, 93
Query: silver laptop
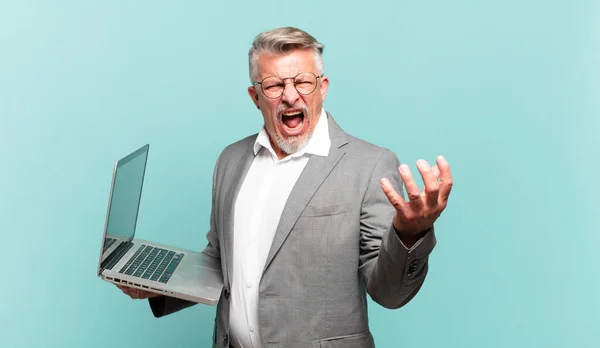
145, 265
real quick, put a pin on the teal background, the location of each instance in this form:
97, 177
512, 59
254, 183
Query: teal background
507, 90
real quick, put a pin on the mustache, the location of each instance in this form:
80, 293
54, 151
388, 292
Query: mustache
282, 107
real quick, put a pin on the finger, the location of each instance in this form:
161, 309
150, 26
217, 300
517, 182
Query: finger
131, 292
124, 289
412, 190
135, 294
431, 185
395, 199
436, 172
445, 179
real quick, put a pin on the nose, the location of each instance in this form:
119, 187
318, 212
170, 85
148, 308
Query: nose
290, 95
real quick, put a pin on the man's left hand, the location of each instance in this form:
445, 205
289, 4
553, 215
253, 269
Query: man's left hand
415, 217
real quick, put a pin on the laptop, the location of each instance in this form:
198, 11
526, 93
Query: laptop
128, 261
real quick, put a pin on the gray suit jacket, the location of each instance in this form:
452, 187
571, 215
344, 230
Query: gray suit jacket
334, 244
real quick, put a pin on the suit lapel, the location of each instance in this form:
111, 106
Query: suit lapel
316, 171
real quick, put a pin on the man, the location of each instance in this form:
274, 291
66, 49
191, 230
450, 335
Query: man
306, 219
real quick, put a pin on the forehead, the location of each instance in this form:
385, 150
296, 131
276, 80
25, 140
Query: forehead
288, 64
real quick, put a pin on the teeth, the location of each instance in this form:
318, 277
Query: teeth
291, 113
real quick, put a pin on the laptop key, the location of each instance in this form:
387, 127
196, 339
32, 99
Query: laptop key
152, 263
138, 260
171, 268
137, 253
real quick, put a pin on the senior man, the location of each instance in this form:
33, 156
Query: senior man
307, 219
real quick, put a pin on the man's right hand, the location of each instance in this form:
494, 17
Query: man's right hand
136, 293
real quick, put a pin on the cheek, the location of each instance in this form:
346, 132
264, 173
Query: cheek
269, 111
313, 104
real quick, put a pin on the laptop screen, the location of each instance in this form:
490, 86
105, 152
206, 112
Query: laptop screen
125, 199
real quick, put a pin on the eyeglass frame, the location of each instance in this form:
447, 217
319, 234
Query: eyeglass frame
317, 77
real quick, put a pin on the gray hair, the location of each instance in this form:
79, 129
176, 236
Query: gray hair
281, 41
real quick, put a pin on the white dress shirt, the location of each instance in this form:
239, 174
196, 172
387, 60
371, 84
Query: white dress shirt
258, 208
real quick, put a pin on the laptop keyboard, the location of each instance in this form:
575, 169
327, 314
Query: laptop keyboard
152, 263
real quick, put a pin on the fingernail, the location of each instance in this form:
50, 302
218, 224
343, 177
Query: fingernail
423, 164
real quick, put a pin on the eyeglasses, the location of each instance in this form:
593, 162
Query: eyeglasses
273, 87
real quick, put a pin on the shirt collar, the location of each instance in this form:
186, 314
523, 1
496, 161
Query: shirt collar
318, 144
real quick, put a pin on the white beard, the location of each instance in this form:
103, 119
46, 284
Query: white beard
293, 144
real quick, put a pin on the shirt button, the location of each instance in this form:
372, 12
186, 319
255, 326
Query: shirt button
249, 284
251, 328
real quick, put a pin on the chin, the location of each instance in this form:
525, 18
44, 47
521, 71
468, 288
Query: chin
293, 144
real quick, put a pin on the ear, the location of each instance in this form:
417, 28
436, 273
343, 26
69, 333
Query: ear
324, 87
253, 95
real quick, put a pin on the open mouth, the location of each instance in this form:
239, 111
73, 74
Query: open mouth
292, 121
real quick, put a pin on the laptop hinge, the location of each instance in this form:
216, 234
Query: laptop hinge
116, 255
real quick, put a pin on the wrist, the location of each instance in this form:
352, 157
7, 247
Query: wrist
409, 239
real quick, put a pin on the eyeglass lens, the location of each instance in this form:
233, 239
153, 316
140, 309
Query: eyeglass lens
305, 83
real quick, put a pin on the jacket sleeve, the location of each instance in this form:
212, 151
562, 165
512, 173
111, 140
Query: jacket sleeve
165, 305
392, 273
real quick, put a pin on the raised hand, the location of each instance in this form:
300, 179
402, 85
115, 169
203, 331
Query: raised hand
415, 217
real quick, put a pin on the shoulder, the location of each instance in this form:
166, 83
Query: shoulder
239, 147
235, 151
371, 162
358, 149
369, 154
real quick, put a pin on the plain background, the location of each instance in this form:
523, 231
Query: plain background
507, 90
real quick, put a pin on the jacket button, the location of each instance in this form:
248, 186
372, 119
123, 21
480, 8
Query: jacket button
412, 268
225, 340
226, 293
